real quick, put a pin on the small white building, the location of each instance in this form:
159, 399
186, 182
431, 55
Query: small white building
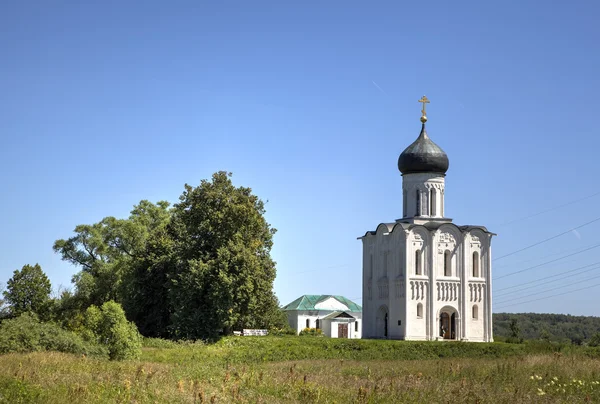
424, 277
336, 316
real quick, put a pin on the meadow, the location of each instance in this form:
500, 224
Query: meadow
308, 369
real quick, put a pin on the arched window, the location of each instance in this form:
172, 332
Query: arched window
475, 312
432, 202
356, 326
447, 263
418, 263
404, 203
418, 203
318, 326
419, 310
476, 264
307, 323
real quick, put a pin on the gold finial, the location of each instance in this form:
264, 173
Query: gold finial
425, 101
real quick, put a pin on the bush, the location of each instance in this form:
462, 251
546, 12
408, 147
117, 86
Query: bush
286, 330
314, 332
595, 340
108, 326
27, 334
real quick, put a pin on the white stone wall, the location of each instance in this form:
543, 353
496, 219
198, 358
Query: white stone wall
392, 284
297, 320
427, 185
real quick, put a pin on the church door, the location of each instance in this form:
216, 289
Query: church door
343, 330
445, 326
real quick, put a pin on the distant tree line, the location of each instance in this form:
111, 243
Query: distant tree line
195, 270
551, 327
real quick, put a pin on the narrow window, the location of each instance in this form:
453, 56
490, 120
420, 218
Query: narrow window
442, 203
418, 262
371, 266
447, 263
475, 312
318, 326
404, 200
418, 203
419, 310
356, 326
476, 264
432, 202
307, 323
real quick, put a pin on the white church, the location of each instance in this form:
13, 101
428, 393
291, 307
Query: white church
424, 277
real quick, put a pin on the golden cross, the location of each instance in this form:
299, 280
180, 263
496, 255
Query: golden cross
425, 101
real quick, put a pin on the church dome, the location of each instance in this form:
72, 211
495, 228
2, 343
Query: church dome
423, 156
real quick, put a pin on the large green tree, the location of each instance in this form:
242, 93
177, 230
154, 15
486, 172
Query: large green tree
223, 272
28, 291
108, 251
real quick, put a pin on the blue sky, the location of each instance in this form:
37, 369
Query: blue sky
308, 103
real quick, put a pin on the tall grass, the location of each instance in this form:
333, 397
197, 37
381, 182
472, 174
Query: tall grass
293, 369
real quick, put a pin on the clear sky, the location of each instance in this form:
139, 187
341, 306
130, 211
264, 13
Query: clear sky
103, 104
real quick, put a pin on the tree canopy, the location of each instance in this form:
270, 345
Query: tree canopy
195, 270
28, 291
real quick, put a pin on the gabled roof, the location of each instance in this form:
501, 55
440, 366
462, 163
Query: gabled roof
337, 314
308, 302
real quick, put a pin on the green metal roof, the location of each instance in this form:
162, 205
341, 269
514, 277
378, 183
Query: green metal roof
308, 302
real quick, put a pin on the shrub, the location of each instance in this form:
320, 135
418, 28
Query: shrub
27, 334
108, 326
314, 332
285, 330
595, 340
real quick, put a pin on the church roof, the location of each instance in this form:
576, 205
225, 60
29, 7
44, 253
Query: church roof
308, 302
423, 156
432, 225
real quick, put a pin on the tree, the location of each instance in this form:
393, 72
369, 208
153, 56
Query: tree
515, 331
223, 273
108, 326
107, 251
28, 291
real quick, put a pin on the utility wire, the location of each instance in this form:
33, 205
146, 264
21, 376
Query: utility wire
548, 297
554, 254
545, 240
551, 289
549, 210
547, 277
548, 262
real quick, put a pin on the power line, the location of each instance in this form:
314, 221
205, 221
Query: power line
555, 295
548, 262
549, 210
512, 264
548, 239
547, 277
551, 289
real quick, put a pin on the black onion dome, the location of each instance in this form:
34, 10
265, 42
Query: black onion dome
423, 156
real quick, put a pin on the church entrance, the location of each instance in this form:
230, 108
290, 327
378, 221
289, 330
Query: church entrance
448, 325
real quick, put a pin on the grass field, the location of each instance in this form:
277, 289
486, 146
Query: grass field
296, 369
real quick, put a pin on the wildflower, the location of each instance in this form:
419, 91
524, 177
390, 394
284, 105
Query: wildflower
541, 392
531, 377
555, 378
127, 384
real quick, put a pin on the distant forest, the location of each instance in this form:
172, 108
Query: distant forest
554, 327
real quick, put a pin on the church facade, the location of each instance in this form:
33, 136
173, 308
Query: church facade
424, 277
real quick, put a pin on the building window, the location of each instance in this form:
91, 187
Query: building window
475, 312
404, 200
418, 203
476, 264
371, 266
307, 323
432, 202
447, 263
356, 326
419, 310
418, 262
318, 324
